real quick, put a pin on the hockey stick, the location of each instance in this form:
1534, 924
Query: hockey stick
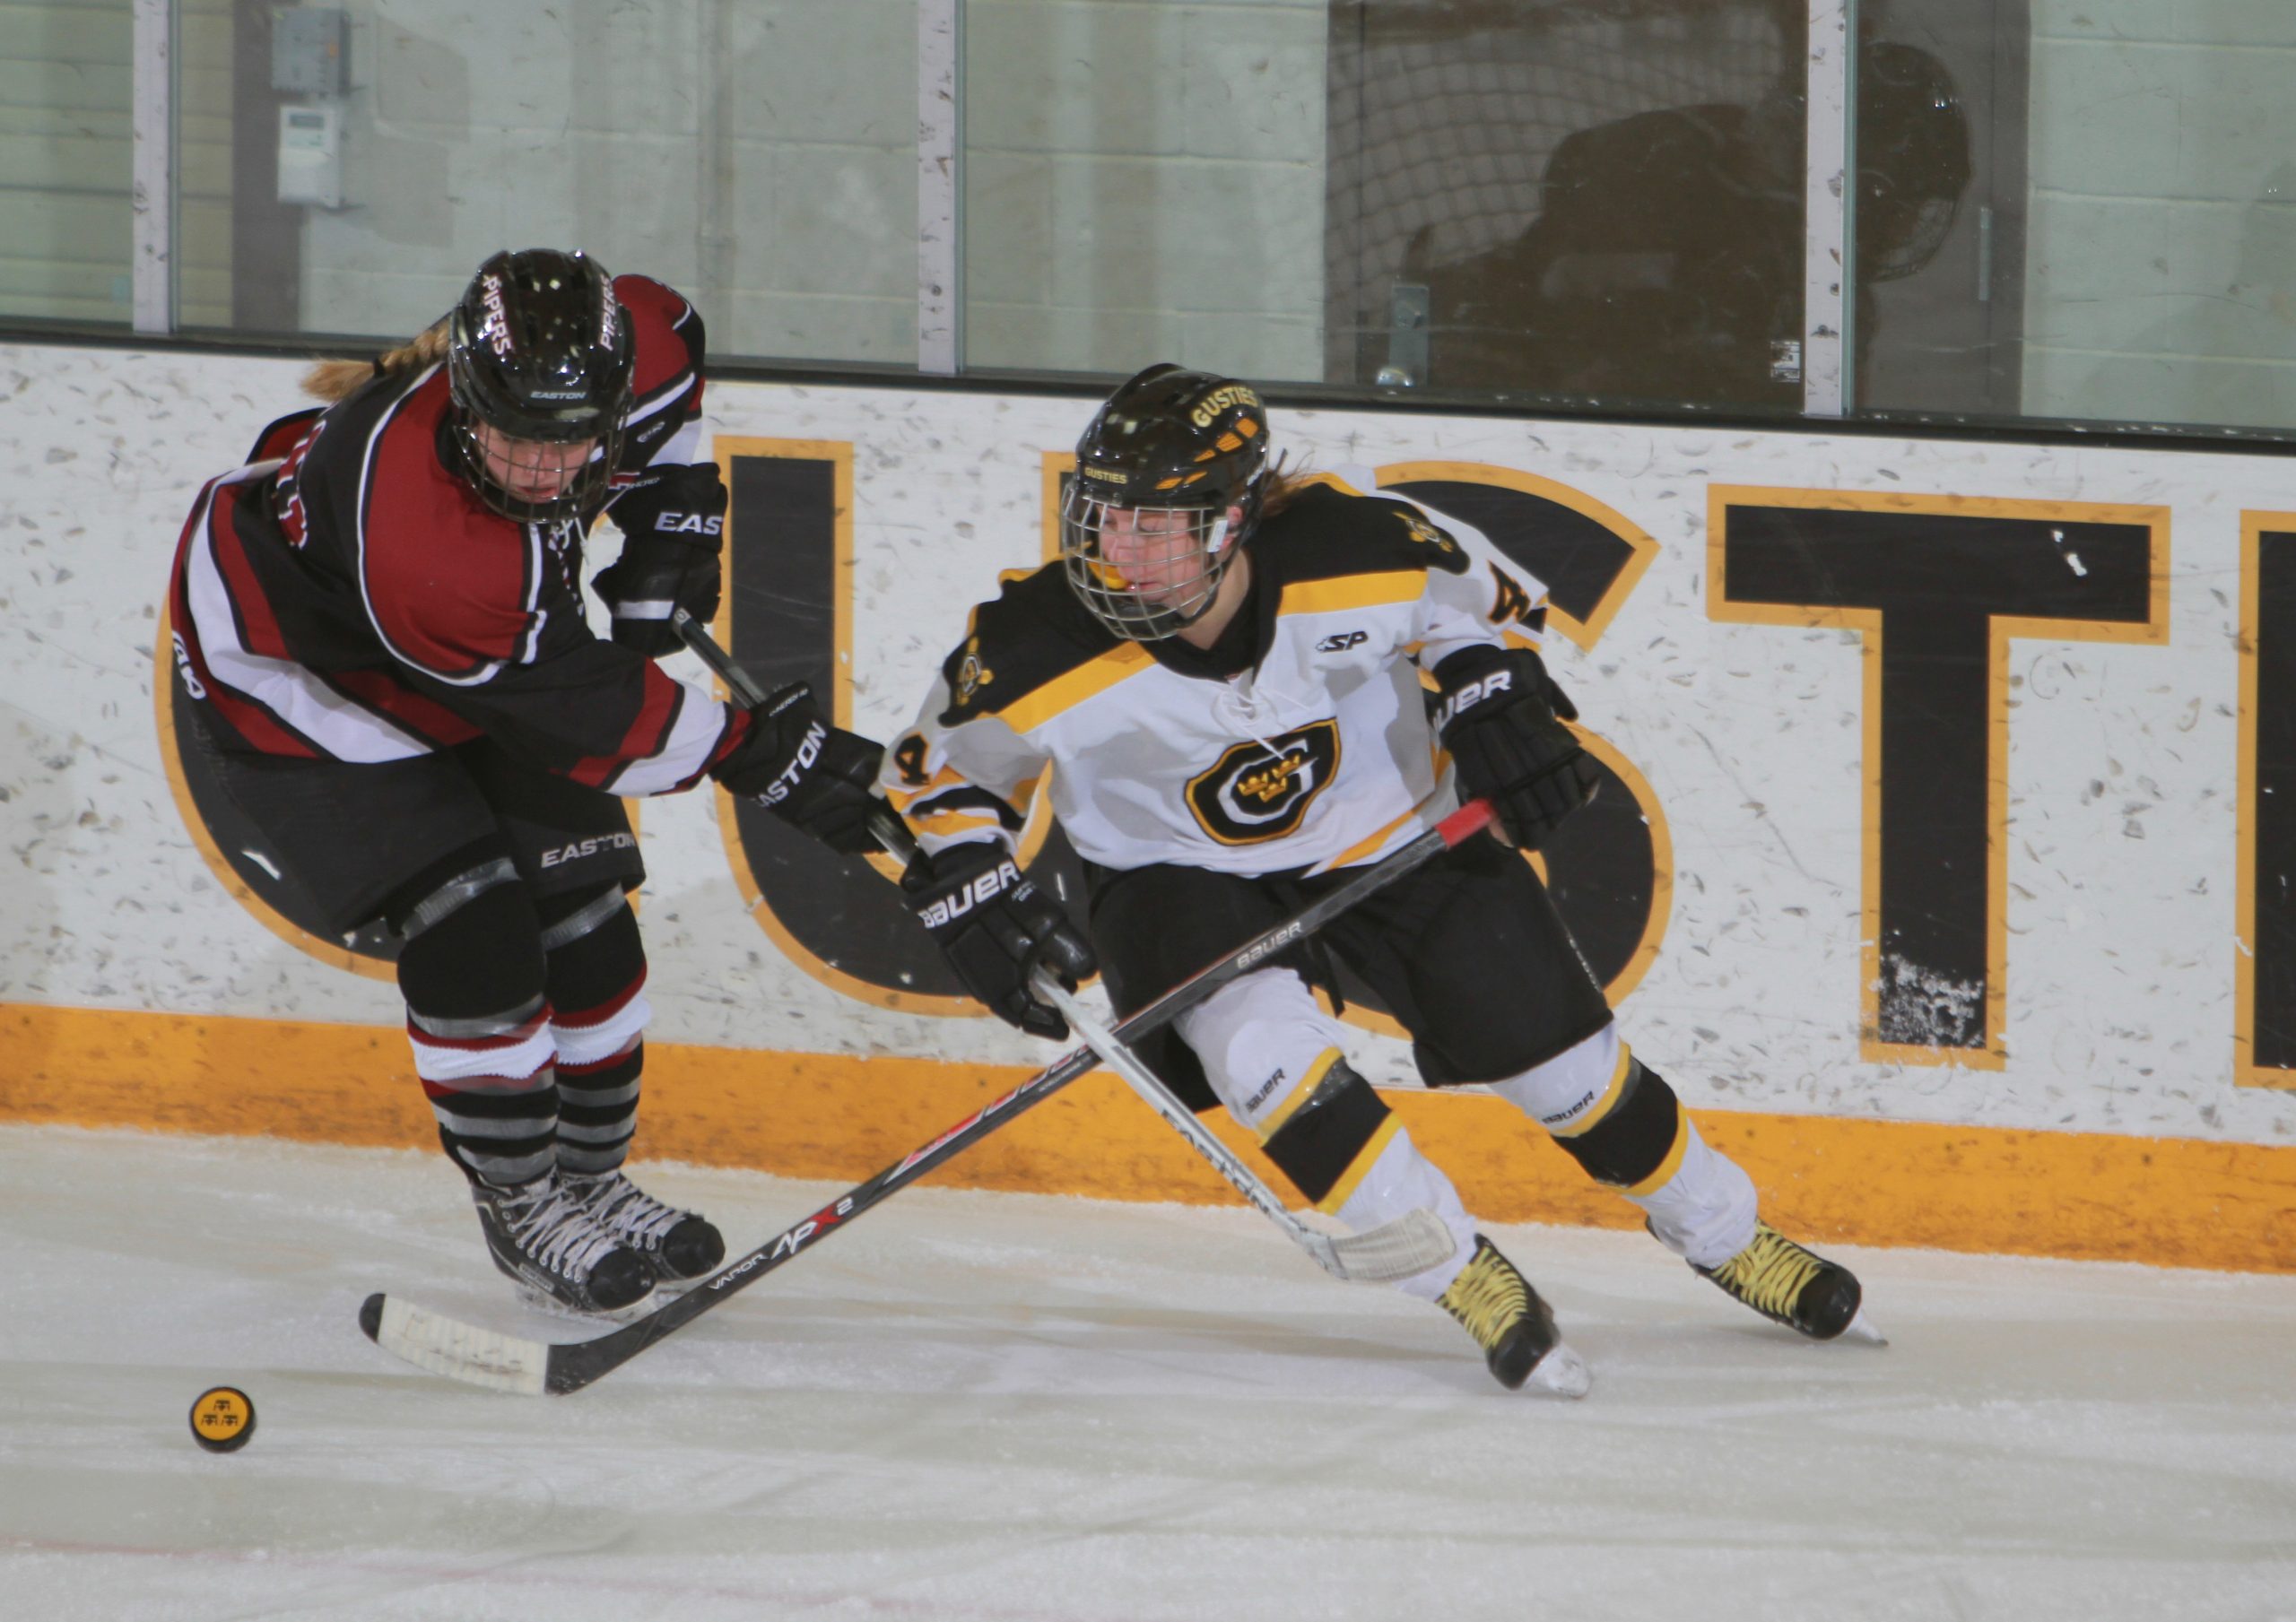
1411, 1243
506, 1362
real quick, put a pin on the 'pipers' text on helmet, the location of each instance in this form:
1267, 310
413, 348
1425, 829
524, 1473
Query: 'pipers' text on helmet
540, 352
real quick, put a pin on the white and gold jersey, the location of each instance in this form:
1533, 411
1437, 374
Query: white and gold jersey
1318, 755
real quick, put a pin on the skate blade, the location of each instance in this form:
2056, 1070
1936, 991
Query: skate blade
1863, 1328
1562, 1373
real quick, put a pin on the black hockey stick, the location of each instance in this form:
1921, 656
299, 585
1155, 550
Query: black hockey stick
505, 1362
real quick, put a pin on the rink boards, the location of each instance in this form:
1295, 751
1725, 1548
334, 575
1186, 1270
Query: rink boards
1941, 862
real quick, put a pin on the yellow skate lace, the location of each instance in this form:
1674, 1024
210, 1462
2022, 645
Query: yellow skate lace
1489, 1296
1769, 1274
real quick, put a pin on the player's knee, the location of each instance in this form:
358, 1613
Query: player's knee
1326, 1143
597, 957
476, 953
1258, 1038
1571, 1091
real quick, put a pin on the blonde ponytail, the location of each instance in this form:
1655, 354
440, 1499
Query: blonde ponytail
1284, 480
333, 380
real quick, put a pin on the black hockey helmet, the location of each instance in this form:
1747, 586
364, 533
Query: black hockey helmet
1175, 442
539, 351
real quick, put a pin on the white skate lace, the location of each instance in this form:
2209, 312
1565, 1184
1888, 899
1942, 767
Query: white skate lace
626, 1210
557, 1230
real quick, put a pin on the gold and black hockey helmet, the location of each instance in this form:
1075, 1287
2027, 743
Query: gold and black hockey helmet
1190, 448
540, 352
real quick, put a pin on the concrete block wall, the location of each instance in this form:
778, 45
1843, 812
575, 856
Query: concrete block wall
2163, 211
67, 72
1145, 181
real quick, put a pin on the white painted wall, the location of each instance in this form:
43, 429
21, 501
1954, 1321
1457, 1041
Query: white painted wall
2121, 950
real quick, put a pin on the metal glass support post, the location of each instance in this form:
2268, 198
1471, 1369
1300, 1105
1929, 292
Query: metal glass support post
940, 186
151, 253
1829, 216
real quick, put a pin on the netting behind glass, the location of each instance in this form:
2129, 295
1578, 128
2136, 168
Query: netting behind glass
1444, 116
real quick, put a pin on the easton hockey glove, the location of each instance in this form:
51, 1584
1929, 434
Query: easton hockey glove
1498, 719
806, 772
672, 523
995, 927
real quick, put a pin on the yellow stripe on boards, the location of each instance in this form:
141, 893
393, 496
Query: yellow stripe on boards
2174, 1202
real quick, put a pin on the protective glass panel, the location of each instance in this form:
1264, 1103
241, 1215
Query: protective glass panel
758, 155
1941, 206
1579, 200
1145, 183
65, 161
2161, 226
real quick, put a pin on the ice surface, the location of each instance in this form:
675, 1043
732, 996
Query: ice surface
1042, 1410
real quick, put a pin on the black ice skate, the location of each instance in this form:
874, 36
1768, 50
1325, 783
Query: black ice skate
681, 1245
562, 1255
1790, 1284
1516, 1329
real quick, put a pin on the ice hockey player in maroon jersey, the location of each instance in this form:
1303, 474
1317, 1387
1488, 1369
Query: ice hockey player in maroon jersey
380, 620
1223, 675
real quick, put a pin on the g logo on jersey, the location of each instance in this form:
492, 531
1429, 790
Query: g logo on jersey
1250, 795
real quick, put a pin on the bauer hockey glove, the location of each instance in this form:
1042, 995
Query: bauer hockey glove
1498, 719
672, 523
996, 928
820, 777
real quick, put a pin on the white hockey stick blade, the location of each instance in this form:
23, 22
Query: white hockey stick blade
1411, 1243
1562, 1373
462, 1351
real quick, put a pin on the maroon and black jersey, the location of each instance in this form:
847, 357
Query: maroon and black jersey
346, 596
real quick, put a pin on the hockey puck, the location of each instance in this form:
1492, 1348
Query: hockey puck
222, 1418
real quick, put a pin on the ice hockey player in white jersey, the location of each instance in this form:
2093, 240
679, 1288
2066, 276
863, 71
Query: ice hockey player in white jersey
1223, 674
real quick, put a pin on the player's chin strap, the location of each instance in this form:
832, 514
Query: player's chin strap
1411, 1243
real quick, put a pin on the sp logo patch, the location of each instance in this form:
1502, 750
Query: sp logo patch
1251, 794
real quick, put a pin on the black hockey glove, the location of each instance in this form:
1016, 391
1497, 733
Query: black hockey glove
672, 522
805, 771
1498, 720
996, 928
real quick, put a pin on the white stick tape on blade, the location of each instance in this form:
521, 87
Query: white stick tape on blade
462, 1351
